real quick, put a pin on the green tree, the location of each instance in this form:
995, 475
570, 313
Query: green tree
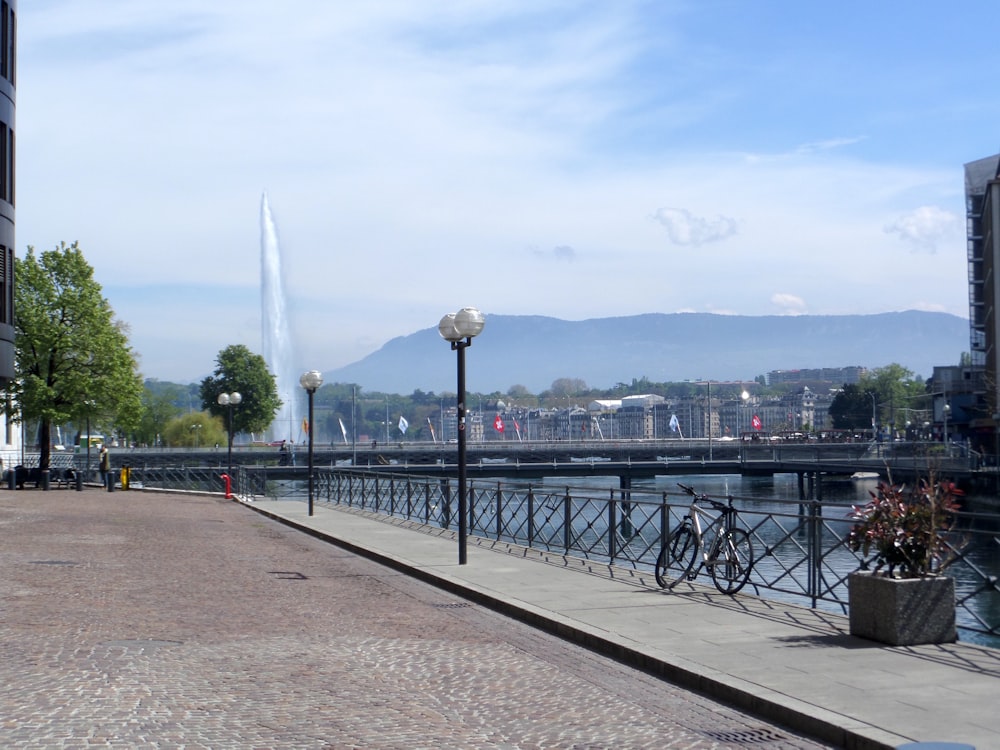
851, 408
240, 370
159, 404
74, 360
196, 429
898, 392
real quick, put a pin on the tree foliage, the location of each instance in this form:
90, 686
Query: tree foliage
852, 408
240, 370
159, 404
196, 429
73, 359
888, 393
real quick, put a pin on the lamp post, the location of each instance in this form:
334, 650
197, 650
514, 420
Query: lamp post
745, 397
90, 407
311, 381
229, 400
874, 428
459, 329
947, 410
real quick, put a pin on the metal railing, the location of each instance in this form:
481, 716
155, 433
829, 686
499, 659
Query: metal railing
801, 553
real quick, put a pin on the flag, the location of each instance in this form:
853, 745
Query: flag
498, 423
305, 425
757, 424
431, 426
517, 429
403, 424
675, 425
343, 430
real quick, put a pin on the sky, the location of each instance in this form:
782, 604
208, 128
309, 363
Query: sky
576, 159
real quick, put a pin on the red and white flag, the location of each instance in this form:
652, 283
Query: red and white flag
757, 424
498, 423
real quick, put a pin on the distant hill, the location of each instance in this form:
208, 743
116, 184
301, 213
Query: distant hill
533, 351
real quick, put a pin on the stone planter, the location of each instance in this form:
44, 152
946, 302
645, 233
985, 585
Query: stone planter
902, 611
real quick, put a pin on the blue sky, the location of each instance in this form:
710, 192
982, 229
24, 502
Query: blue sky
573, 159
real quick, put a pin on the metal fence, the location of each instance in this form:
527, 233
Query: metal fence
801, 552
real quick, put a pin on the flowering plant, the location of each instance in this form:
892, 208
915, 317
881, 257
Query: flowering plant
907, 527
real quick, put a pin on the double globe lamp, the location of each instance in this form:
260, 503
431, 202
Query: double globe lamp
459, 329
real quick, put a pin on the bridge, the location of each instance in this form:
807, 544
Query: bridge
627, 459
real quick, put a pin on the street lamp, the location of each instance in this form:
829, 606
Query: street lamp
947, 410
311, 381
459, 329
90, 407
229, 400
745, 397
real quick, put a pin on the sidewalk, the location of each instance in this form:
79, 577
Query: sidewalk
789, 664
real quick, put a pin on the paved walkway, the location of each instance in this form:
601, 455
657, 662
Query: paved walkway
790, 664
184, 620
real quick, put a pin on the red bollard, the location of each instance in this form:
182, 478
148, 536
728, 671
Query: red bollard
228, 481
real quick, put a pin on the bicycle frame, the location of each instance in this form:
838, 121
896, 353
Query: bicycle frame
695, 515
728, 556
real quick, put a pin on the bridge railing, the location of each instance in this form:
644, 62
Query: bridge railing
802, 556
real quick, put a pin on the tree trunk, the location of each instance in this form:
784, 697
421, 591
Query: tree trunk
44, 444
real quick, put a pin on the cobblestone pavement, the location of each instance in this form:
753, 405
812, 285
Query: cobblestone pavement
175, 621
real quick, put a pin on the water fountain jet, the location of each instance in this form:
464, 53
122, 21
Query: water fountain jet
276, 333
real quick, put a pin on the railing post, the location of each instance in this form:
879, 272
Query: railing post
409, 499
815, 553
612, 526
445, 503
470, 509
567, 520
392, 496
531, 516
499, 510
664, 521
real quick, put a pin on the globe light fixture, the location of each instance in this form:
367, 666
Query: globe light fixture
229, 400
459, 329
311, 381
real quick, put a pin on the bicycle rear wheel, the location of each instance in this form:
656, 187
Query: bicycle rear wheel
731, 560
676, 557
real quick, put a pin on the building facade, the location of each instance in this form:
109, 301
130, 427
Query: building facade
979, 382
10, 433
8, 77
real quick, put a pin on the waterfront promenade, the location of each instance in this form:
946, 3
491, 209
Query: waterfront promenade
789, 664
186, 620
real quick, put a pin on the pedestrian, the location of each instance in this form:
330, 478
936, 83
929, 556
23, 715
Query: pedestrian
104, 465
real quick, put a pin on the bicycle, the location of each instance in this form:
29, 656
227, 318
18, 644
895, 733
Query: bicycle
729, 558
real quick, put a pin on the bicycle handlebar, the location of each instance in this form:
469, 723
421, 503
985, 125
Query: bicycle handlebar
718, 505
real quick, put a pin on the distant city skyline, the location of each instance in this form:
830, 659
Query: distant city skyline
570, 159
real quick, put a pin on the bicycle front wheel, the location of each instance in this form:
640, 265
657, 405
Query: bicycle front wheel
732, 560
676, 557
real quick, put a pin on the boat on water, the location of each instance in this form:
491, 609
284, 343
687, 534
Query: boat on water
862, 476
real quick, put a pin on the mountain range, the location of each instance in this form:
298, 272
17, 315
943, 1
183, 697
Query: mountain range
534, 351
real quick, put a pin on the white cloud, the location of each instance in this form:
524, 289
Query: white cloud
926, 227
684, 228
791, 304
